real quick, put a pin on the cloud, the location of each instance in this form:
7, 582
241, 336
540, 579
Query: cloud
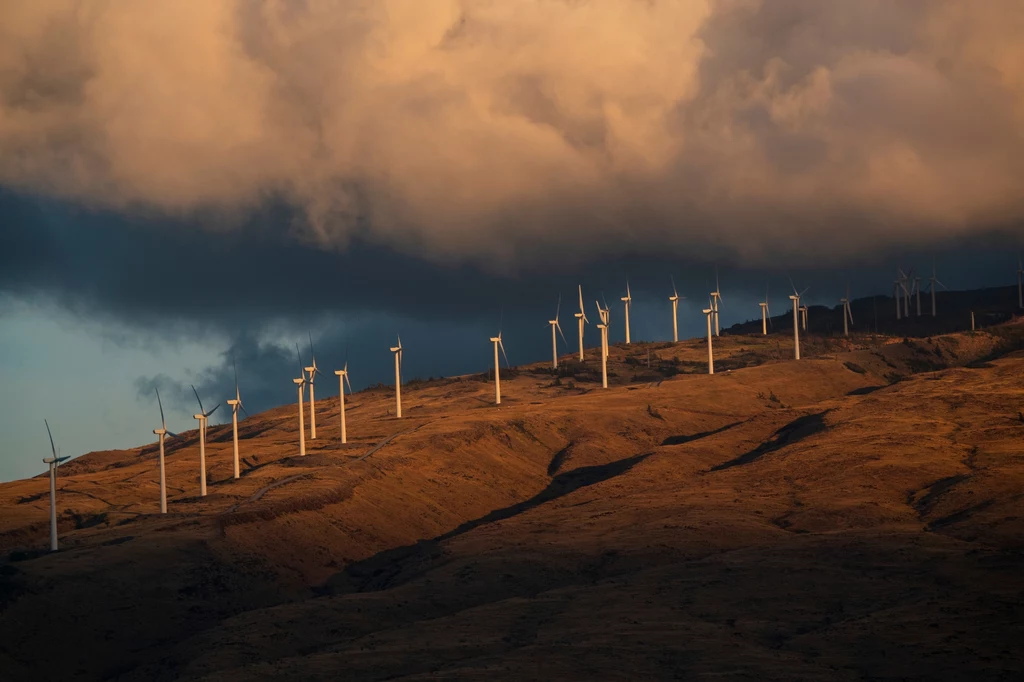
511, 132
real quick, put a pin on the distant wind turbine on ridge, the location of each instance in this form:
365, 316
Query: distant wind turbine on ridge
204, 419
847, 315
710, 312
53, 462
675, 298
933, 283
300, 384
312, 371
795, 297
554, 341
342, 380
627, 300
766, 314
496, 340
604, 314
397, 350
236, 405
581, 318
162, 432
716, 297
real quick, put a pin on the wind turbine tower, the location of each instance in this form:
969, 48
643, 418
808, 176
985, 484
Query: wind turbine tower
710, 312
53, 462
627, 301
496, 340
604, 315
795, 297
236, 405
342, 380
554, 341
312, 371
674, 298
847, 315
204, 418
397, 350
162, 432
765, 313
933, 282
581, 319
716, 297
300, 383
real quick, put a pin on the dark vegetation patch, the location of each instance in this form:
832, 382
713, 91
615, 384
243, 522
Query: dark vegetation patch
89, 520
118, 541
962, 515
854, 367
865, 390
680, 440
793, 432
924, 504
559, 459
33, 498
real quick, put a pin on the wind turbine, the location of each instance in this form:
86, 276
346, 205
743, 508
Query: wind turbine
53, 462
803, 316
162, 432
847, 315
312, 371
907, 292
300, 384
795, 297
932, 282
581, 318
674, 298
627, 300
716, 296
605, 315
917, 291
496, 340
1020, 282
204, 418
554, 342
397, 350
766, 314
342, 380
710, 312
236, 405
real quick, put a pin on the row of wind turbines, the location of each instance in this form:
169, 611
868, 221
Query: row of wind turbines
905, 287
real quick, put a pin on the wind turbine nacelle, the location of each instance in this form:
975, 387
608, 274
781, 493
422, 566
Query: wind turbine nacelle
160, 432
199, 416
495, 339
298, 382
340, 372
232, 403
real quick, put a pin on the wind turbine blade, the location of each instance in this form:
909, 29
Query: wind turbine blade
673, 280
242, 408
558, 308
801, 294
559, 327
941, 284
502, 346
580, 287
399, 341
171, 434
794, 287
349, 383
849, 313
628, 295
298, 356
52, 448
62, 459
201, 410
311, 353
163, 422
213, 410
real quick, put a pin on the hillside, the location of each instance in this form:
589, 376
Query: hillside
854, 515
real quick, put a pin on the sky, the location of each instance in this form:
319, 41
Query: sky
183, 185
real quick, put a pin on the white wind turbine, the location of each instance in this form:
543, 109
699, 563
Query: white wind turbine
766, 314
236, 405
675, 298
312, 371
162, 432
496, 340
300, 384
710, 312
933, 281
342, 380
795, 297
581, 319
847, 315
204, 419
803, 317
554, 341
917, 291
716, 297
53, 462
627, 301
604, 314
397, 350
